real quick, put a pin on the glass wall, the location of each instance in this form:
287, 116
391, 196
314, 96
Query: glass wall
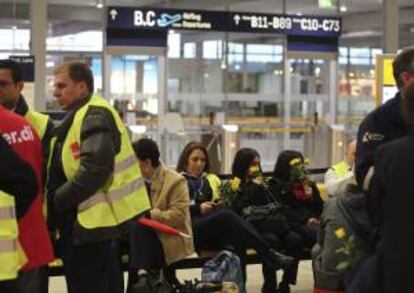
228, 73
238, 78
356, 91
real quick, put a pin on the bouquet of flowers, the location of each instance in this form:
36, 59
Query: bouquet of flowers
231, 188
299, 179
229, 192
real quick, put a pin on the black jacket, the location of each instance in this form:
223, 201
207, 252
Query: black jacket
251, 195
22, 109
391, 201
17, 178
382, 125
100, 143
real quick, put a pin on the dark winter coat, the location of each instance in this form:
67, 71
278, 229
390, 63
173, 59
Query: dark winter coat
391, 201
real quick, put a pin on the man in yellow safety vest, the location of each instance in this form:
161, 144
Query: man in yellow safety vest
95, 184
341, 173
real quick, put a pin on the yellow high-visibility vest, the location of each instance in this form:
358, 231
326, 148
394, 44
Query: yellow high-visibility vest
38, 121
124, 195
11, 256
341, 169
215, 184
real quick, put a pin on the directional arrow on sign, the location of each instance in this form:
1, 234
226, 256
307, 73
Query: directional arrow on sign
237, 19
113, 14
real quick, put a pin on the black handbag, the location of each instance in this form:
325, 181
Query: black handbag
268, 218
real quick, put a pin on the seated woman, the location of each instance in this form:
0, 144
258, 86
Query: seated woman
291, 186
215, 228
253, 192
149, 250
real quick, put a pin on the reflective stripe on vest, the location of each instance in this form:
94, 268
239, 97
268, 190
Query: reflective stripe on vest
38, 121
124, 195
9, 252
341, 169
113, 196
8, 245
7, 213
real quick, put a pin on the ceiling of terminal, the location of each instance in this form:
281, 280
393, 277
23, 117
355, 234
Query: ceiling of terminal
361, 21
293, 6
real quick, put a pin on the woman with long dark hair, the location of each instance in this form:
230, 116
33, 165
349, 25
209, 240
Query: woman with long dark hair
298, 192
291, 187
213, 227
273, 226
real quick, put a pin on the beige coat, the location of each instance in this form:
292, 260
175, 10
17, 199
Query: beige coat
170, 201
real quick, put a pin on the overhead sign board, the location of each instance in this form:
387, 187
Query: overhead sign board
165, 19
286, 24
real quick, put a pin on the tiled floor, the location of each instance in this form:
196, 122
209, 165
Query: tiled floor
254, 279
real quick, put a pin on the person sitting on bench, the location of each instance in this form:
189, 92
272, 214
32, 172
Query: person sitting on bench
151, 251
215, 228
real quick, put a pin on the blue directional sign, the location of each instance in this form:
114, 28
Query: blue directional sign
165, 19
286, 24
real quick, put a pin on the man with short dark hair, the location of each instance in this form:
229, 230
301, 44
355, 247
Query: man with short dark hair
385, 123
95, 184
11, 86
152, 251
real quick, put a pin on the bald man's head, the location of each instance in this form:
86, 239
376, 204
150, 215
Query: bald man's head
350, 152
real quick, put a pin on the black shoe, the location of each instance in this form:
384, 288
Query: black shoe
280, 261
284, 287
269, 289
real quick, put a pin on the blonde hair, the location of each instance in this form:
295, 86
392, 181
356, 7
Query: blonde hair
78, 72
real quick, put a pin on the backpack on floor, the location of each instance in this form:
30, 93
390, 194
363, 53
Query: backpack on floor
224, 267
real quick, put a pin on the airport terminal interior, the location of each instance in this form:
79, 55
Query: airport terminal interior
270, 75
